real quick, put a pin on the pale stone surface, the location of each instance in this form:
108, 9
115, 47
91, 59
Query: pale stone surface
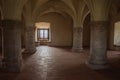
77, 39
98, 49
12, 61
30, 40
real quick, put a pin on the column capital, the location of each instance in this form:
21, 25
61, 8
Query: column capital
100, 25
99, 22
78, 29
78, 26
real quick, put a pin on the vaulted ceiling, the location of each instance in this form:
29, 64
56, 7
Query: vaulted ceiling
76, 9
33, 9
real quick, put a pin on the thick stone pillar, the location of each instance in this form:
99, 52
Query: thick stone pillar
12, 61
30, 40
77, 39
98, 49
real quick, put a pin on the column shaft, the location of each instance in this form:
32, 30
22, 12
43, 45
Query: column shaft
77, 39
98, 48
12, 61
30, 40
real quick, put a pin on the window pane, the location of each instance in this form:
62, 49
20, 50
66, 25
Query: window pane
46, 34
41, 34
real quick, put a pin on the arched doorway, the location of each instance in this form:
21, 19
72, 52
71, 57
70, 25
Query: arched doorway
86, 32
61, 29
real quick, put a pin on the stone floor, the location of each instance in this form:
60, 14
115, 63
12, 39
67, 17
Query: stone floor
50, 63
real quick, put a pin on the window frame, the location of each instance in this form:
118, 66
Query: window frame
38, 34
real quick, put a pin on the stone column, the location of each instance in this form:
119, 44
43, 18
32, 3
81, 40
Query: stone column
77, 39
98, 49
30, 40
12, 61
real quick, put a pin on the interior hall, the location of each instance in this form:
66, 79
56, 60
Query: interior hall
59, 40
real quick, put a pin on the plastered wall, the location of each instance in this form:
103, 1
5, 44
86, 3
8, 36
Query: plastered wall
61, 29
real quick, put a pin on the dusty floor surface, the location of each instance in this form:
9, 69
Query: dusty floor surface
50, 63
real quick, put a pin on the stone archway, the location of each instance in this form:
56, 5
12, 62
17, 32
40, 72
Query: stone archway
42, 33
60, 25
86, 31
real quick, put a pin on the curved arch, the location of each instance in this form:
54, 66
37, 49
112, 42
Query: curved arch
57, 6
86, 31
82, 10
85, 16
57, 21
80, 13
85, 12
70, 5
87, 2
64, 14
38, 4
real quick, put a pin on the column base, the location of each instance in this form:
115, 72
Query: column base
97, 66
12, 67
77, 49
